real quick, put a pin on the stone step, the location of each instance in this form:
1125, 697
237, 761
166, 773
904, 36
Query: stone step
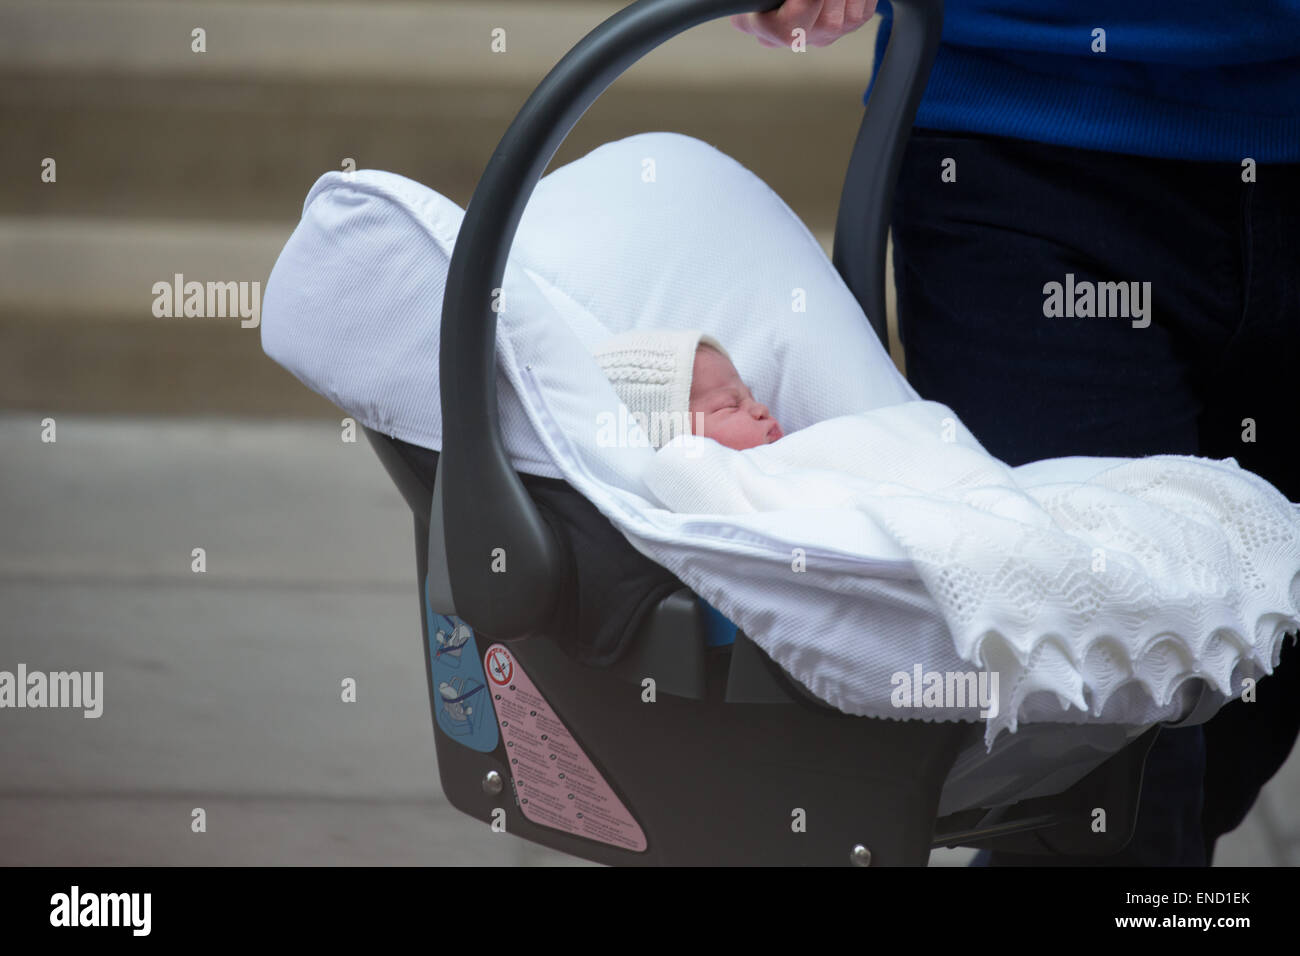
77, 331
140, 126
430, 41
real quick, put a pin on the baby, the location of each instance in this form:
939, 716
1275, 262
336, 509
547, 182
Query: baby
664, 377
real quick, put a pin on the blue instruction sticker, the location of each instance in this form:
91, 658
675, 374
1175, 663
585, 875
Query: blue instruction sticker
462, 704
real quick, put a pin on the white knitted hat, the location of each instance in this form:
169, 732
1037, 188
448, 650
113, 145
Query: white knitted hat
651, 372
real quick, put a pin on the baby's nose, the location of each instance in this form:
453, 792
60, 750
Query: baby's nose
760, 410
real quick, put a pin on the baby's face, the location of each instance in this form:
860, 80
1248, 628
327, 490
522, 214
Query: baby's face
731, 415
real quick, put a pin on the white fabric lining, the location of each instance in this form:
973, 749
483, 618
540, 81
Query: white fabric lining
710, 246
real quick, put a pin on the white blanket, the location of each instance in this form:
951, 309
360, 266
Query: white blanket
352, 309
1153, 570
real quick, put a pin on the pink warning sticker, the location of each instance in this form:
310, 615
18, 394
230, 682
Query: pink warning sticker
556, 783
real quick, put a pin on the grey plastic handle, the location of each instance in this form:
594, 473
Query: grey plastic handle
488, 521
862, 223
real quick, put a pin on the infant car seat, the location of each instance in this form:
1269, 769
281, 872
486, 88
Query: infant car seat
682, 742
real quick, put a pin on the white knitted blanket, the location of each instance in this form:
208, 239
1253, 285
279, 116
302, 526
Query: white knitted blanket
1154, 569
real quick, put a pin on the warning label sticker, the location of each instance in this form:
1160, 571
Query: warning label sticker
556, 783
500, 666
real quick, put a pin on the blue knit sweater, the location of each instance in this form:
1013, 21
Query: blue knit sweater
1192, 79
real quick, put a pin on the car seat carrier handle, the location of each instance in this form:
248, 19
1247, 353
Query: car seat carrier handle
504, 565
866, 201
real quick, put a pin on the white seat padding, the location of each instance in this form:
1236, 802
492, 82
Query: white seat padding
654, 231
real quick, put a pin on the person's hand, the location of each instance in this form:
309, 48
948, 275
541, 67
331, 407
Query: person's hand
824, 21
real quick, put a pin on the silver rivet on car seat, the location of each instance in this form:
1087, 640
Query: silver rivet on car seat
492, 782
860, 855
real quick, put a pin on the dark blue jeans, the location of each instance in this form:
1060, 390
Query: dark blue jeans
1212, 374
